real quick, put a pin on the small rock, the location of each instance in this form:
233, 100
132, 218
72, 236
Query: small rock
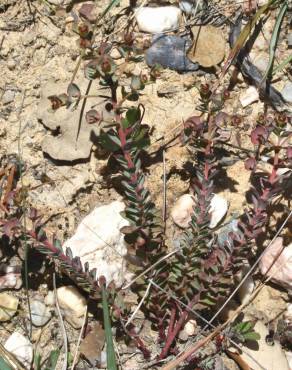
73, 305
287, 92
289, 359
269, 357
11, 64
40, 314
231, 227
21, 348
250, 96
260, 60
99, 241
190, 6
190, 327
115, 54
170, 52
208, 48
50, 299
28, 37
8, 307
103, 359
10, 277
8, 97
278, 268
218, 209
289, 39
183, 209
183, 335
159, 19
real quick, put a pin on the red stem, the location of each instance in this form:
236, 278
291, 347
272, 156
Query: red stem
170, 338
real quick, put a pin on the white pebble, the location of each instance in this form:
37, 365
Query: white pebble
9, 305
250, 96
21, 348
190, 327
160, 19
40, 314
99, 241
183, 209
218, 209
70, 299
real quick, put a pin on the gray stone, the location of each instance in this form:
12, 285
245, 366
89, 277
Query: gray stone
289, 39
8, 97
170, 52
40, 314
287, 92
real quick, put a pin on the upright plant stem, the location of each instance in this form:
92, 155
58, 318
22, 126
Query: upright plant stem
110, 352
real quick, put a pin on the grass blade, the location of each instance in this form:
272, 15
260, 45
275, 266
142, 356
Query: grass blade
108, 8
283, 64
110, 351
4, 365
244, 35
274, 40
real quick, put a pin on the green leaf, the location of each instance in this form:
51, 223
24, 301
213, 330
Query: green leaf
37, 361
52, 360
283, 64
109, 141
109, 7
110, 352
4, 365
133, 116
90, 70
141, 139
252, 335
274, 40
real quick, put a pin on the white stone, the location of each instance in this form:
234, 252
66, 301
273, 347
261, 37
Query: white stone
69, 298
50, 299
250, 96
21, 348
279, 269
40, 314
218, 209
8, 97
269, 357
190, 327
11, 279
183, 209
186, 6
289, 359
160, 19
73, 305
287, 92
9, 305
99, 241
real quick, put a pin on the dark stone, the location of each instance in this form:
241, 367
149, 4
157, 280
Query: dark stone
170, 52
